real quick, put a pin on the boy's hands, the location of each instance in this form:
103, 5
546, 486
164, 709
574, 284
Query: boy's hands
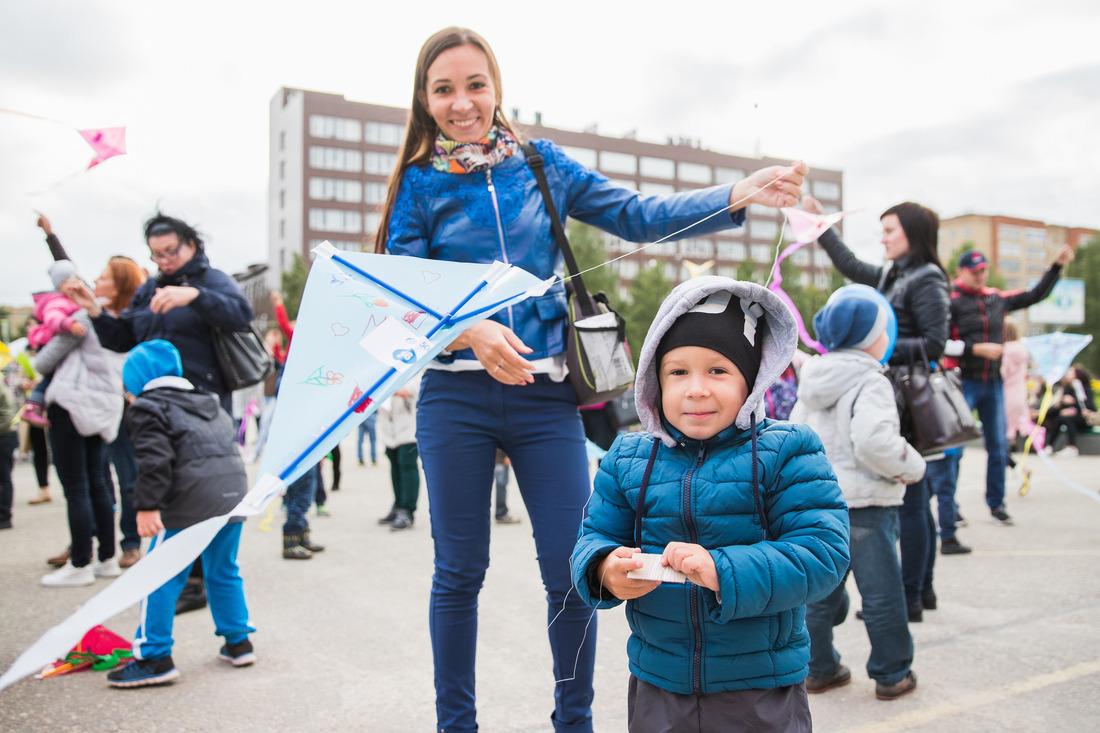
148, 523
612, 571
693, 561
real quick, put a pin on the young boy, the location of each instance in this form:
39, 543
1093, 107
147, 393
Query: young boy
845, 398
746, 509
189, 470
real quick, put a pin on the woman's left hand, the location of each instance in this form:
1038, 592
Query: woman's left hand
498, 349
172, 296
785, 187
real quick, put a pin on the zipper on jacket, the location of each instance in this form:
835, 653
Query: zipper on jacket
696, 624
500, 233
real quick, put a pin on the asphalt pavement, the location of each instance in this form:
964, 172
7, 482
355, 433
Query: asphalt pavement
343, 638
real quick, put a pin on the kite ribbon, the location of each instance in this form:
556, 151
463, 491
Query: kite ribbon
776, 287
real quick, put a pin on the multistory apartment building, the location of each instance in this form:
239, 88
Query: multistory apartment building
331, 159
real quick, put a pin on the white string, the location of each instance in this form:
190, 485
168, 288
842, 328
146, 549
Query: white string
665, 238
580, 647
778, 249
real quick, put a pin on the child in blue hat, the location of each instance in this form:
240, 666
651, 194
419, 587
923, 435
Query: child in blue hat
189, 470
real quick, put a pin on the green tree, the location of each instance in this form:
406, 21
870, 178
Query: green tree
293, 283
647, 291
590, 251
745, 271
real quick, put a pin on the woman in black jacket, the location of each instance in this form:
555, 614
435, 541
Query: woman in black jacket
1073, 403
916, 285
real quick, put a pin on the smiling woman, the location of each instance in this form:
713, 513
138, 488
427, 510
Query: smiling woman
462, 190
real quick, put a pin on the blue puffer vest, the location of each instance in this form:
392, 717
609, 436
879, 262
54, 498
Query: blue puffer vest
499, 215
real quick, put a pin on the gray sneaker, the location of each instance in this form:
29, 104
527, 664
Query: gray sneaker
1000, 516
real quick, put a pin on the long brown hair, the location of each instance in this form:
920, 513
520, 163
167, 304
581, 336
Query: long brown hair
421, 131
921, 226
127, 276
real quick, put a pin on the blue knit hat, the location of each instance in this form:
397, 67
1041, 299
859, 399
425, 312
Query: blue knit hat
854, 317
148, 361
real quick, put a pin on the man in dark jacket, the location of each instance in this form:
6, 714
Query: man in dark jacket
189, 470
977, 341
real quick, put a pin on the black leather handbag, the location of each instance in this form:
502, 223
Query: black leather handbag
242, 358
934, 414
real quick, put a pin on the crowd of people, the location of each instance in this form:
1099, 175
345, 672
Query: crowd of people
761, 477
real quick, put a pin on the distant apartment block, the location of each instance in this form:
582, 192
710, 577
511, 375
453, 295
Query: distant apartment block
331, 159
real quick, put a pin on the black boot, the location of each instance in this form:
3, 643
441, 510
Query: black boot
306, 543
292, 547
192, 597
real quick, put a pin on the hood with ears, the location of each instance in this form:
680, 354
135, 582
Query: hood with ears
776, 327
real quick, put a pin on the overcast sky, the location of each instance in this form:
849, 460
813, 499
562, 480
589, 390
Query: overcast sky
985, 107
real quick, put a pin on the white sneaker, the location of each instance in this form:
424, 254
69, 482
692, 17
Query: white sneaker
109, 568
1069, 451
67, 575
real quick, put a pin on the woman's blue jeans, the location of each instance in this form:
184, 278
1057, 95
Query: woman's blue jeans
874, 565
125, 462
81, 465
298, 497
462, 418
918, 541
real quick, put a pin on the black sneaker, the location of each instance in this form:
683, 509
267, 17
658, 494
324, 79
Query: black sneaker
239, 654
953, 547
192, 597
402, 521
842, 676
388, 519
144, 673
928, 599
1000, 516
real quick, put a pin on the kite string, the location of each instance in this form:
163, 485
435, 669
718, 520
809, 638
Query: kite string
667, 237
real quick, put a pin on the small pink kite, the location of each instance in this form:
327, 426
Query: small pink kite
107, 142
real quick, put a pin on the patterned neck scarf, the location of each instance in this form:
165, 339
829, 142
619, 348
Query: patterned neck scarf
455, 157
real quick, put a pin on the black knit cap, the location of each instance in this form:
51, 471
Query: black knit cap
718, 323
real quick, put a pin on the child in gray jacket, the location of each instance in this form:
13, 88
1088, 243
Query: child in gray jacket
844, 396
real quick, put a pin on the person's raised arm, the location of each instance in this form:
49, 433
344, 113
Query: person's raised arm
1045, 285
775, 186
56, 249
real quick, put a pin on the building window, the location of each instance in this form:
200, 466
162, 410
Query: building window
656, 189
728, 175
282, 228
335, 189
338, 244
1009, 249
584, 156
375, 193
1036, 253
371, 222
282, 170
825, 189
821, 280
628, 269
383, 133
282, 140
1010, 265
335, 159
694, 172
801, 257
671, 272
727, 271
618, 163
657, 167
335, 128
1034, 234
699, 248
380, 164
761, 254
732, 251
335, 220
759, 211
1007, 231
763, 229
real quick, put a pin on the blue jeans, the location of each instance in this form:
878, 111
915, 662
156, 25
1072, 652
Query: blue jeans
874, 565
918, 541
367, 428
125, 462
298, 498
942, 477
81, 465
988, 398
224, 590
463, 417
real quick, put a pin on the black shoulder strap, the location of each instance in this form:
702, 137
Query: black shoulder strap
639, 511
534, 160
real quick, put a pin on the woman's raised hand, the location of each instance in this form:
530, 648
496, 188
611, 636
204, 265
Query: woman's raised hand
812, 205
776, 186
498, 349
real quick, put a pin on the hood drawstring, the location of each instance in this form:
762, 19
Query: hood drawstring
757, 498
